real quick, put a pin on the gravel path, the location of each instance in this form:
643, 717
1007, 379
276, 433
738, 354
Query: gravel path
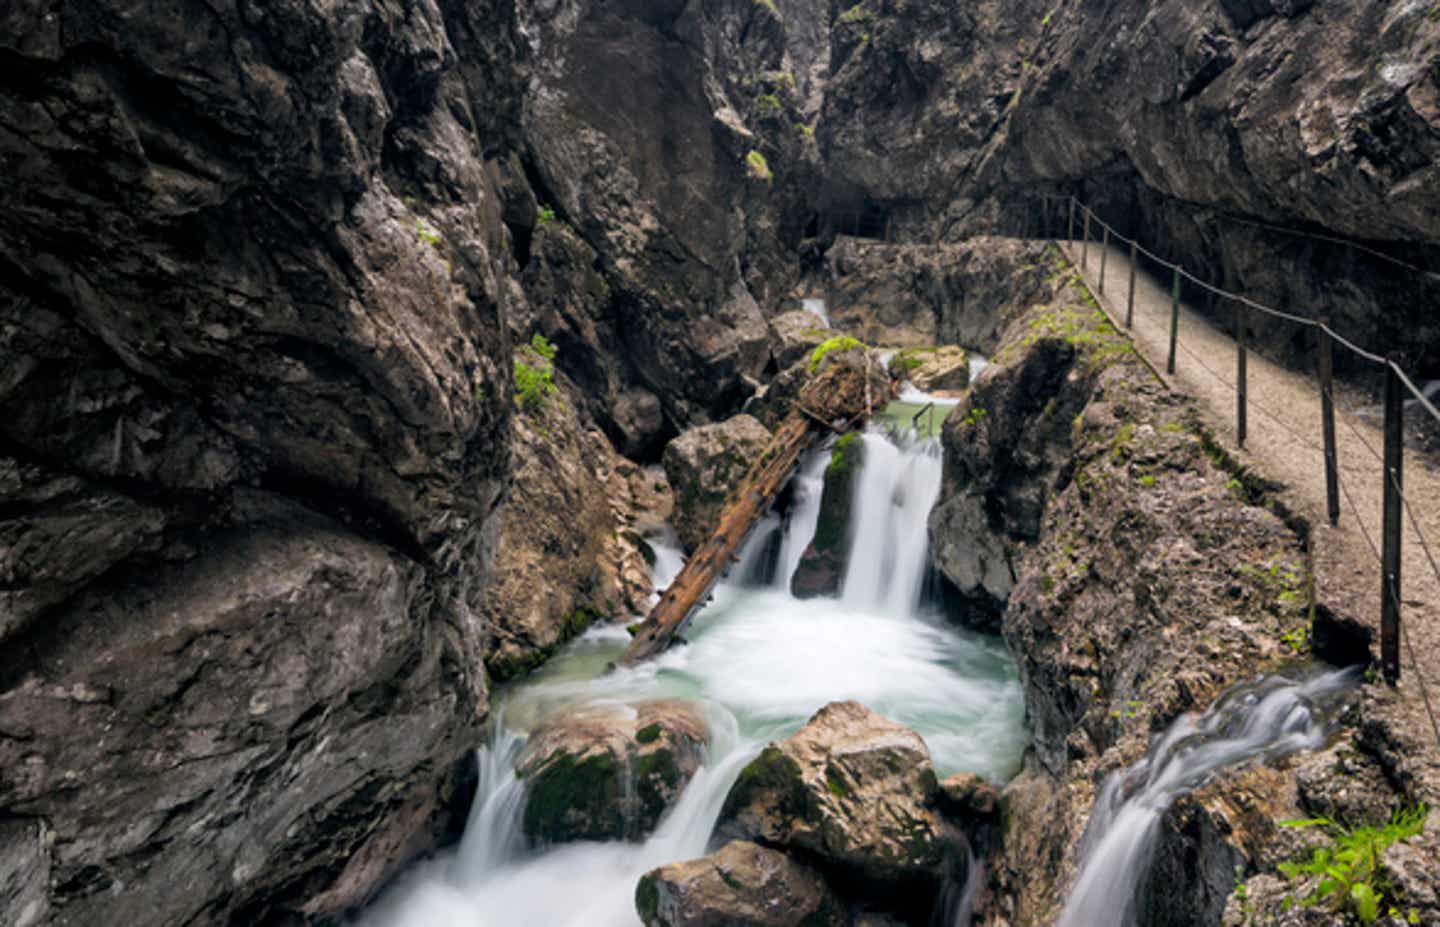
1283, 445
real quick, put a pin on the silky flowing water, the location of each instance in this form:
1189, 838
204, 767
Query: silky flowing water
758, 662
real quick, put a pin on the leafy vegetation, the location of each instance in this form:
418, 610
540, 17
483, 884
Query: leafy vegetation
757, 167
769, 7
1351, 879
546, 216
535, 374
841, 343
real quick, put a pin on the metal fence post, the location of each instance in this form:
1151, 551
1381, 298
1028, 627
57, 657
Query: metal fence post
1174, 319
1085, 245
1104, 257
1240, 373
1392, 528
1070, 232
1130, 300
1327, 423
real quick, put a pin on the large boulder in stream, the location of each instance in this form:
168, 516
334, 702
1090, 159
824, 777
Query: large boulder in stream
795, 335
704, 465
741, 885
857, 794
822, 566
942, 369
609, 772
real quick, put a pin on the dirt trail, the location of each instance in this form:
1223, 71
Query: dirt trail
1283, 444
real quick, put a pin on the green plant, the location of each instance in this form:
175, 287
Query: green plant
824, 349
769, 7
535, 382
757, 167
427, 233
1148, 480
546, 215
768, 104
973, 417
1351, 878
1296, 639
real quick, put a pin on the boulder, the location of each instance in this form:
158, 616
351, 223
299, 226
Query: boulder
794, 335
741, 885
935, 370
822, 566
704, 465
855, 793
609, 772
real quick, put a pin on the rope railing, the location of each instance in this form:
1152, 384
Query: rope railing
1396, 505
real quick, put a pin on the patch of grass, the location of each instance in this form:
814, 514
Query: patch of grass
1351, 878
757, 167
840, 343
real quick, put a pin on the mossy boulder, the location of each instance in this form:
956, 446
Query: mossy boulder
943, 369
822, 566
609, 772
794, 335
856, 794
703, 466
741, 885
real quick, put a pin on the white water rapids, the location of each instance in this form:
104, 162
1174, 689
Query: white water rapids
759, 662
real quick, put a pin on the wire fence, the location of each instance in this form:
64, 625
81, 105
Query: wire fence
1397, 506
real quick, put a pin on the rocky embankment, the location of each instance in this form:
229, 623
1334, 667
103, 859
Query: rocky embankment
1134, 573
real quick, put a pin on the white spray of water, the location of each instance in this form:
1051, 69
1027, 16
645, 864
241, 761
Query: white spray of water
817, 306
807, 488
1257, 721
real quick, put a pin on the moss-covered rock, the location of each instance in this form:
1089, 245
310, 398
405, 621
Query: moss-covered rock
609, 772
822, 566
855, 794
942, 369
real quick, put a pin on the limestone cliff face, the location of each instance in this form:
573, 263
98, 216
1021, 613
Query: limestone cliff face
1185, 122
253, 432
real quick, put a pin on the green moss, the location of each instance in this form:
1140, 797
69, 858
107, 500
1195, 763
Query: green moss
734, 883
648, 734
757, 167
859, 13
563, 789
768, 104
546, 216
769, 7
835, 785
1148, 480
647, 899
535, 374
840, 343
771, 771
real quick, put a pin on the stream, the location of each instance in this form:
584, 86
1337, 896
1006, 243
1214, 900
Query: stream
758, 662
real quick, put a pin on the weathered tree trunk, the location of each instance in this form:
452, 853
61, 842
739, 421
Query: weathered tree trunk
842, 395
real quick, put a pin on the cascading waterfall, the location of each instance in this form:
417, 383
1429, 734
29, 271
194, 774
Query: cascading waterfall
1261, 720
758, 663
817, 306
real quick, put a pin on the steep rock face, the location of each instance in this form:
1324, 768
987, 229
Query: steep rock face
916, 295
569, 556
740, 885
1193, 125
253, 424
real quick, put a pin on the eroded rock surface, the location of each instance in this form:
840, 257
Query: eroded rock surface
704, 465
822, 565
854, 792
609, 772
740, 885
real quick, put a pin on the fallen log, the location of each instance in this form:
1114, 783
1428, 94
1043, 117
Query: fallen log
845, 393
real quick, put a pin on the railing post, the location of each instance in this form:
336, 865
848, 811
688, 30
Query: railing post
1240, 373
1174, 319
1327, 423
1085, 245
1392, 527
1070, 231
1130, 300
1104, 257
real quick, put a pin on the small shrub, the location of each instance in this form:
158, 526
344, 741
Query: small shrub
841, 343
546, 215
535, 382
1351, 877
757, 167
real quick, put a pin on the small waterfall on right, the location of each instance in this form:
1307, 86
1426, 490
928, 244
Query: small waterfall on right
1261, 720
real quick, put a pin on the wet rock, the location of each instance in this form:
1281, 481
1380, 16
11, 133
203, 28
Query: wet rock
944, 369
609, 772
919, 295
740, 885
704, 465
568, 558
966, 796
854, 792
822, 565
794, 335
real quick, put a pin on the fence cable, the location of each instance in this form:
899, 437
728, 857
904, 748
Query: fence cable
1404, 632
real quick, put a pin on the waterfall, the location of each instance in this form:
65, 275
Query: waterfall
889, 555
492, 832
1261, 720
807, 488
817, 306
